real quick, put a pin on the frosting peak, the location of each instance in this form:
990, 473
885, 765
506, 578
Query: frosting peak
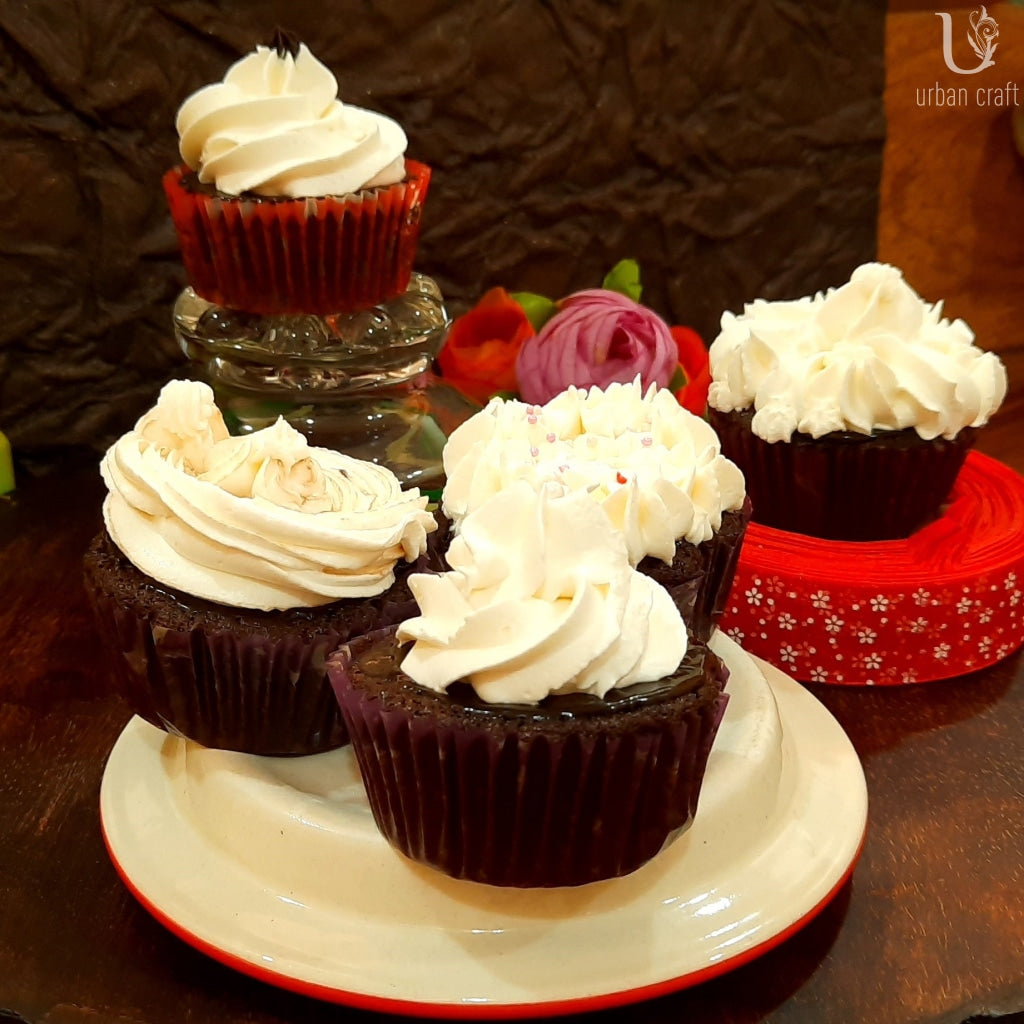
275, 126
869, 355
260, 521
876, 301
541, 599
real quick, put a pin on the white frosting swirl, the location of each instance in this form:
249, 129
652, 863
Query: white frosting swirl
868, 356
655, 468
541, 599
275, 126
261, 521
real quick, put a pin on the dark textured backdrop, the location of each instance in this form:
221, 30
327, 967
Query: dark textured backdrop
733, 148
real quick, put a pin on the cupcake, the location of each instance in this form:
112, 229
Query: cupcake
850, 413
288, 200
543, 721
655, 468
230, 567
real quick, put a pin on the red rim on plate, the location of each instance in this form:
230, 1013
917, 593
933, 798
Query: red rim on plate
249, 916
477, 1011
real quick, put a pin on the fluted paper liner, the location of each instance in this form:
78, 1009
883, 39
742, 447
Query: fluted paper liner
515, 803
254, 688
332, 254
700, 576
844, 486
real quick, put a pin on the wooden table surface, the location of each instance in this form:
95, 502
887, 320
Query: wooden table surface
929, 929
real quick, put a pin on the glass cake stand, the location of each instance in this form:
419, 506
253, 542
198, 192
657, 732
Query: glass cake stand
356, 382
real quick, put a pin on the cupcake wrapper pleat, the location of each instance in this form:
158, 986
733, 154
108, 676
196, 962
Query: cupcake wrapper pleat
334, 254
521, 807
233, 692
699, 577
230, 689
844, 487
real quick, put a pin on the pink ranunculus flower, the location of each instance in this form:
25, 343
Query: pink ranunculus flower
597, 337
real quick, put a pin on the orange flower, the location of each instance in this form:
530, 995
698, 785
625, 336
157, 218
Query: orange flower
479, 355
694, 370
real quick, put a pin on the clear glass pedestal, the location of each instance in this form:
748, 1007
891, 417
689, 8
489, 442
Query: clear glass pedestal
356, 382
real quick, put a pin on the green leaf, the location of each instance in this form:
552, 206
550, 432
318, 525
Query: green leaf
624, 278
539, 309
679, 380
6, 466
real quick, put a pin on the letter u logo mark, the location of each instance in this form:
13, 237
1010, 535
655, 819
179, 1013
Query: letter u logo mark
982, 35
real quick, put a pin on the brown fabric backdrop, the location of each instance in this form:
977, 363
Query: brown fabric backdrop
733, 148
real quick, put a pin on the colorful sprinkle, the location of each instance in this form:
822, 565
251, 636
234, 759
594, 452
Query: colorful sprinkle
551, 438
647, 441
535, 452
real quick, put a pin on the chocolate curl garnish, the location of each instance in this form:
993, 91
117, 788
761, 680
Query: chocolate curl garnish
285, 43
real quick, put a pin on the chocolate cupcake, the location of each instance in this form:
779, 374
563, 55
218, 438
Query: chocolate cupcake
844, 485
230, 678
542, 721
850, 413
231, 566
288, 200
655, 468
699, 576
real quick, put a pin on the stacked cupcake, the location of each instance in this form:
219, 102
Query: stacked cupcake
536, 710
288, 200
547, 717
231, 567
852, 414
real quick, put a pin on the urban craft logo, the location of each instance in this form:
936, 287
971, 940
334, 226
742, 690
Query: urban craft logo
982, 35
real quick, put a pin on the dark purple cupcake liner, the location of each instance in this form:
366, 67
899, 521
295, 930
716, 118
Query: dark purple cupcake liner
700, 576
529, 804
844, 486
255, 685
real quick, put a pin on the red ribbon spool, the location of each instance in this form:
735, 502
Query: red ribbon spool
943, 602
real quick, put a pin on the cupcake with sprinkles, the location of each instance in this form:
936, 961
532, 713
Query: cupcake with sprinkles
656, 470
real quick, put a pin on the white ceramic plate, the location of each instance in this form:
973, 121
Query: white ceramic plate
275, 868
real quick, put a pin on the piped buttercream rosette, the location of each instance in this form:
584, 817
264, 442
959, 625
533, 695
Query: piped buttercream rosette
289, 200
263, 521
946, 601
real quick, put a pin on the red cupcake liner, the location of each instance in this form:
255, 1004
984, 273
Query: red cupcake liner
333, 254
843, 486
525, 804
